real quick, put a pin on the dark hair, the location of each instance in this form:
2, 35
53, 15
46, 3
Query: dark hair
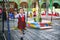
21, 8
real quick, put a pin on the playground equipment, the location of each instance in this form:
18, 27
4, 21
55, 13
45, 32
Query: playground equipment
33, 24
50, 14
40, 25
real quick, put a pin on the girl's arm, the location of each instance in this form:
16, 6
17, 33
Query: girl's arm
16, 16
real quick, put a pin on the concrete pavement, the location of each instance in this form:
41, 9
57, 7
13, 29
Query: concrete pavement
49, 17
36, 34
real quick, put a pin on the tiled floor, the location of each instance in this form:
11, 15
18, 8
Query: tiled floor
37, 34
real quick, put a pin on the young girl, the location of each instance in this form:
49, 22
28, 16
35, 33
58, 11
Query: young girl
21, 20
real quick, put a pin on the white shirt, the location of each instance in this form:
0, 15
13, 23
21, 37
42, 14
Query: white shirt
16, 16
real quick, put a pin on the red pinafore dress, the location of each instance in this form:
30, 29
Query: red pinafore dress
21, 22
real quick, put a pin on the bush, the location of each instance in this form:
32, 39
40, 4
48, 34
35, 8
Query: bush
34, 19
40, 19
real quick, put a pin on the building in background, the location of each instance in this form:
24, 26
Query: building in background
26, 3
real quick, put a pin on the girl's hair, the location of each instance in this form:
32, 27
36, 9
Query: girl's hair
22, 8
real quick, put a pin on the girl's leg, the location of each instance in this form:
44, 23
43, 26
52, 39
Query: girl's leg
21, 32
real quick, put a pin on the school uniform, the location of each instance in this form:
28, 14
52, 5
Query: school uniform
21, 21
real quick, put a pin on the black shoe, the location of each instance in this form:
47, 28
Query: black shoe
21, 38
23, 33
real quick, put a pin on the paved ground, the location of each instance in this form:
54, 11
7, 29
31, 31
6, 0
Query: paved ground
35, 34
49, 17
1, 36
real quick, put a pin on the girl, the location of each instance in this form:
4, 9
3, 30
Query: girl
21, 21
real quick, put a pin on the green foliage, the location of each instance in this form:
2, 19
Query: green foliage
34, 19
40, 19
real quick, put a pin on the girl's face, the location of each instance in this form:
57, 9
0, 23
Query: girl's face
21, 11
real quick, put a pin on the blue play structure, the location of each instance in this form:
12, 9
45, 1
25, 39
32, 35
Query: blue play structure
33, 24
41, 25
46, 25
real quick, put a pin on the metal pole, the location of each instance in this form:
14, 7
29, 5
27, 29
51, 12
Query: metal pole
51, 1
37, 18
40, 19
47, 4
3, 18
8, 22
